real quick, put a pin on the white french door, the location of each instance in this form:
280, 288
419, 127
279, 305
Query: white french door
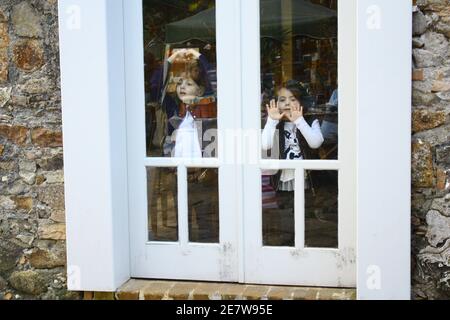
307, 260
177, 256
245, 240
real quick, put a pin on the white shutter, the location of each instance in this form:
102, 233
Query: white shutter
384, 148
92, 75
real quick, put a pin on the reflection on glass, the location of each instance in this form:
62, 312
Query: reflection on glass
321, 209
277, 215
299, 79
203, 195
162, 204
180, 78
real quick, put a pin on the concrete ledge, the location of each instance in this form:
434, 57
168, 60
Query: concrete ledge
183, 290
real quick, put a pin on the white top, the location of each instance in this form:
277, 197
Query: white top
312, 134
187, 142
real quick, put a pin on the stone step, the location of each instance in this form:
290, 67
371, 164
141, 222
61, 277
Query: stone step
184, 290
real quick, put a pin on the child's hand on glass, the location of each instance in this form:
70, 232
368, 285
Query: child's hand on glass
192, 54
274, 112
184, 55
177, 56
296, 112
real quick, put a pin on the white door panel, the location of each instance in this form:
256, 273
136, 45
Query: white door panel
181, 259
300, 265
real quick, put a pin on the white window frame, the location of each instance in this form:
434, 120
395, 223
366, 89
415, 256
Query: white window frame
93, 77
163, 259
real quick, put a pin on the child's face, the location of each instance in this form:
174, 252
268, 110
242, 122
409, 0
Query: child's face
187, 87
286, 100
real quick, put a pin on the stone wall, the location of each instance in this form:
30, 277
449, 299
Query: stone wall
32, 233
431, 151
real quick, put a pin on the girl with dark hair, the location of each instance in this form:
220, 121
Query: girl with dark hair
295, 135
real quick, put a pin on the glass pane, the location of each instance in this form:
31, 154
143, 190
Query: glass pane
278, 214
162, 204
180, 78
321, 209
203, 205
299, 51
